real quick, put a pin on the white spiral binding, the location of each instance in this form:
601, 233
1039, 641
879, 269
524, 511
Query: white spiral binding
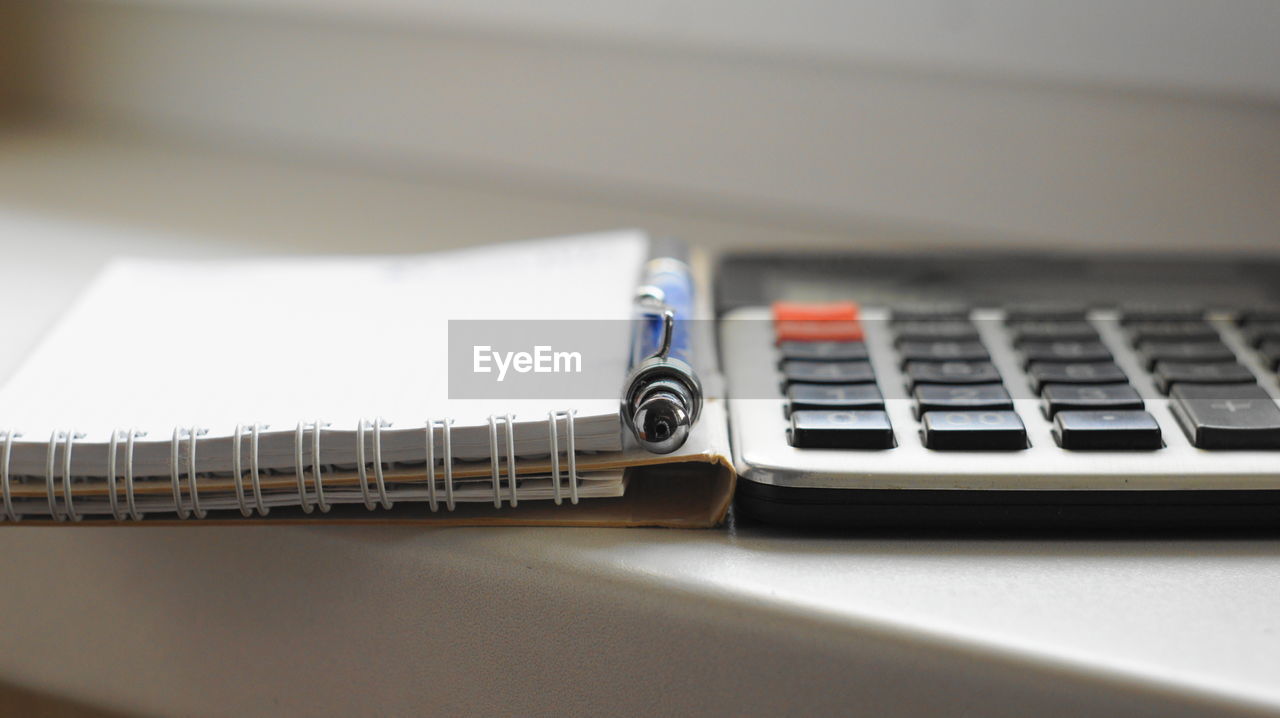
362, 465
9, 513
237, 470
113, 452
571, 451
254, 474
554, 453
495, 461
431, 466
192, 435
68, 442
316, 471
175, 473
511, 461
128, 474
378, 475
447, 427
299, 468
48, 476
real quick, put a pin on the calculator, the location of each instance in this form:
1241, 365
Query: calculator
998, 389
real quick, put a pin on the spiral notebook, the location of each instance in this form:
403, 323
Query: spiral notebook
306, 389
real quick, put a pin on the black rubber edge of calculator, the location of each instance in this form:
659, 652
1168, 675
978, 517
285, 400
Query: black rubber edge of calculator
993, 509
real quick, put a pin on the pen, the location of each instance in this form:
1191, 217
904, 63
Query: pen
663, 397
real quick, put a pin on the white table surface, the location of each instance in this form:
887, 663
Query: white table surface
744, 620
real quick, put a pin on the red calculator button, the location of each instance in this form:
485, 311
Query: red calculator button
821, 330
814, 311
816, 322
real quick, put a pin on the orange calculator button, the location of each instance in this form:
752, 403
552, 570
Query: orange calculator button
814, 311
816, 322
822, 330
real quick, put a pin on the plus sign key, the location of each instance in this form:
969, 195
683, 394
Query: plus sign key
1227, 416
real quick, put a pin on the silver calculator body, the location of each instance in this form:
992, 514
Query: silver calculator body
1102, 391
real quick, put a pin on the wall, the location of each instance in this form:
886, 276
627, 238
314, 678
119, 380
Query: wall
1056, 153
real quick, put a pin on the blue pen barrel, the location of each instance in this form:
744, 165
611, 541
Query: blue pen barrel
677, 290
663, 397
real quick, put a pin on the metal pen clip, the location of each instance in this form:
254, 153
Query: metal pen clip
668, 332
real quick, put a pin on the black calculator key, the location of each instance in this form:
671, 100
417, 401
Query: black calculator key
1160, 312
1068, 351
1270, 353
841, 430
935, 331
942, 351
1153, 352
1042, 373
952, 397
1261, 332
834, 396
929, 311
1108, 430
1233, 416
973, 430
1168, 373
834, 372
1045, 311
1192, 331
951, 372
1053, 332
823, 351
1259, 314
1089, 397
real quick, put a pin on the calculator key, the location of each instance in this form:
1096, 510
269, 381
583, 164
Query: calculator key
1042, 373
834, 396
814, 311
935, 331
1233, 416
973, 430
929, 311
1142, 312
1259, 314
841, 430
1193, 331
1113, 430
1068, 351
1270, 353
1089, 397
942, 351
817, 330
1153, 352
953, 397
952, 372
1260, 332
838, 372
823, 351
1168, 373
1045, 311
1053, 332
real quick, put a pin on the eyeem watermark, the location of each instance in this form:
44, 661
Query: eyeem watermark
537, 359
542, 360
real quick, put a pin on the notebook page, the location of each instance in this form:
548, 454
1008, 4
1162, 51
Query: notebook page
158, 344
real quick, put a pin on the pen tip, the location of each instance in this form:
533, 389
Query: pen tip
661, 422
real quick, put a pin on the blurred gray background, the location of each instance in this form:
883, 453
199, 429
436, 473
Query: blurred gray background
396, 124
224, 127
